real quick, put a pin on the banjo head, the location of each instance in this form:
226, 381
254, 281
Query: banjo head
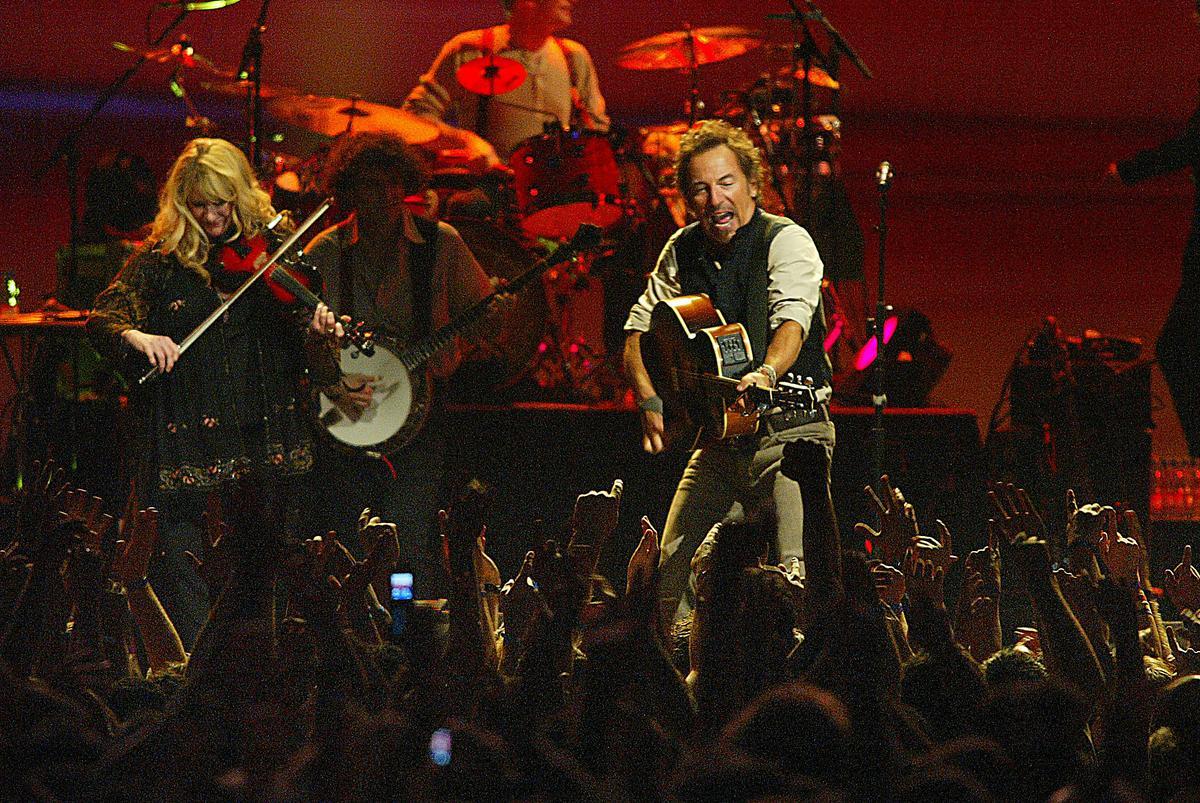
398, 405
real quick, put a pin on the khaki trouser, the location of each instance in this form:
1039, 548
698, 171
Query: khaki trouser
731, 480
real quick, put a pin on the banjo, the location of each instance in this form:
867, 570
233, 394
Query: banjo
401, 399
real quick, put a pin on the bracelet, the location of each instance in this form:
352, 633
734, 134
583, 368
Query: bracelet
651, 404
769, 370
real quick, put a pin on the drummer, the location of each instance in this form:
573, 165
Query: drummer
559, 86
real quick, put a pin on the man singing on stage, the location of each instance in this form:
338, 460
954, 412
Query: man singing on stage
759, 270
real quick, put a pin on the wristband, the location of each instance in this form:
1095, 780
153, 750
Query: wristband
769, 370
651, 404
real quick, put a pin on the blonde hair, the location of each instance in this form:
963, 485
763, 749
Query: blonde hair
208, 171
709, 134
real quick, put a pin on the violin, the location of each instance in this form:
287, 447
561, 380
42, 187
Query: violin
240, 258
276, 273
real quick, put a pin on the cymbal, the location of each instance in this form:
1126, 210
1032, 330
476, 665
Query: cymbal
686, 49
331, 116
229, 86
491, 75
180, 54
816, 76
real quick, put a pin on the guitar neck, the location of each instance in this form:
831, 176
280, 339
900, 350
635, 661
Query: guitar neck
784, 395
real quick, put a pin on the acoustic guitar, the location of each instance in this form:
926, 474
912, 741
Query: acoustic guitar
695, 360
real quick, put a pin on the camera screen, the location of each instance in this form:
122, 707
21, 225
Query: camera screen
402, 586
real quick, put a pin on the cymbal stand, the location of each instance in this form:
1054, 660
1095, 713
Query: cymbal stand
805, 53
693, 106
567, 362
883, 178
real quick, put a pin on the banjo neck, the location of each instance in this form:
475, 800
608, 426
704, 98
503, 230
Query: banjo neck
587, 237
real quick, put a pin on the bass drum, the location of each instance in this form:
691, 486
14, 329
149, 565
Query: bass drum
497, 365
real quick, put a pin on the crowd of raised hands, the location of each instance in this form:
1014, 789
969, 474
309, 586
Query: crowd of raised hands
1049, 673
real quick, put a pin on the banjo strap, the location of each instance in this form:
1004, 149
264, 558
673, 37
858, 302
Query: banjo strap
422, 257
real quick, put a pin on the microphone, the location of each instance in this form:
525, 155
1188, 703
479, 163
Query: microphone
884, 175
197, 5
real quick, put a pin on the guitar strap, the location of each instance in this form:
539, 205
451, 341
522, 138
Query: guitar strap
421, 259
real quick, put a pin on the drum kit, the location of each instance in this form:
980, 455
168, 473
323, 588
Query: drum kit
557, 180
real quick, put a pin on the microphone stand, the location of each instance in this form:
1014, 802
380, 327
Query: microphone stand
68, 146
250, 68
882, 310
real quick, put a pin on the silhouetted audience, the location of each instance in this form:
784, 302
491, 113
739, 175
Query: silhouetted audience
312, 679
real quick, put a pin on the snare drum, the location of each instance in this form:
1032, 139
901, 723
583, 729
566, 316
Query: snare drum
564, 179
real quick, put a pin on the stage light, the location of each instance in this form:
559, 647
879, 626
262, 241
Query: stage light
866, 355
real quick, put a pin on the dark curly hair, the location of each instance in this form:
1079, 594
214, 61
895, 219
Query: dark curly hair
709, 134
355, 154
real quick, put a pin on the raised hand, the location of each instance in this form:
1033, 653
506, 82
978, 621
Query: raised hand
977, 617
1122, 556
925, 579
1084, 522
520, 600
462, 525
38, 500
1186, 660
643, 563
133, 551
1029, 640
897, 524
1031, 556
889, 583
936, 550
80, 506
1133, 529
1015, 512
985, 562
806, 462
487, 575
595, 518
214, 564
1182, 583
